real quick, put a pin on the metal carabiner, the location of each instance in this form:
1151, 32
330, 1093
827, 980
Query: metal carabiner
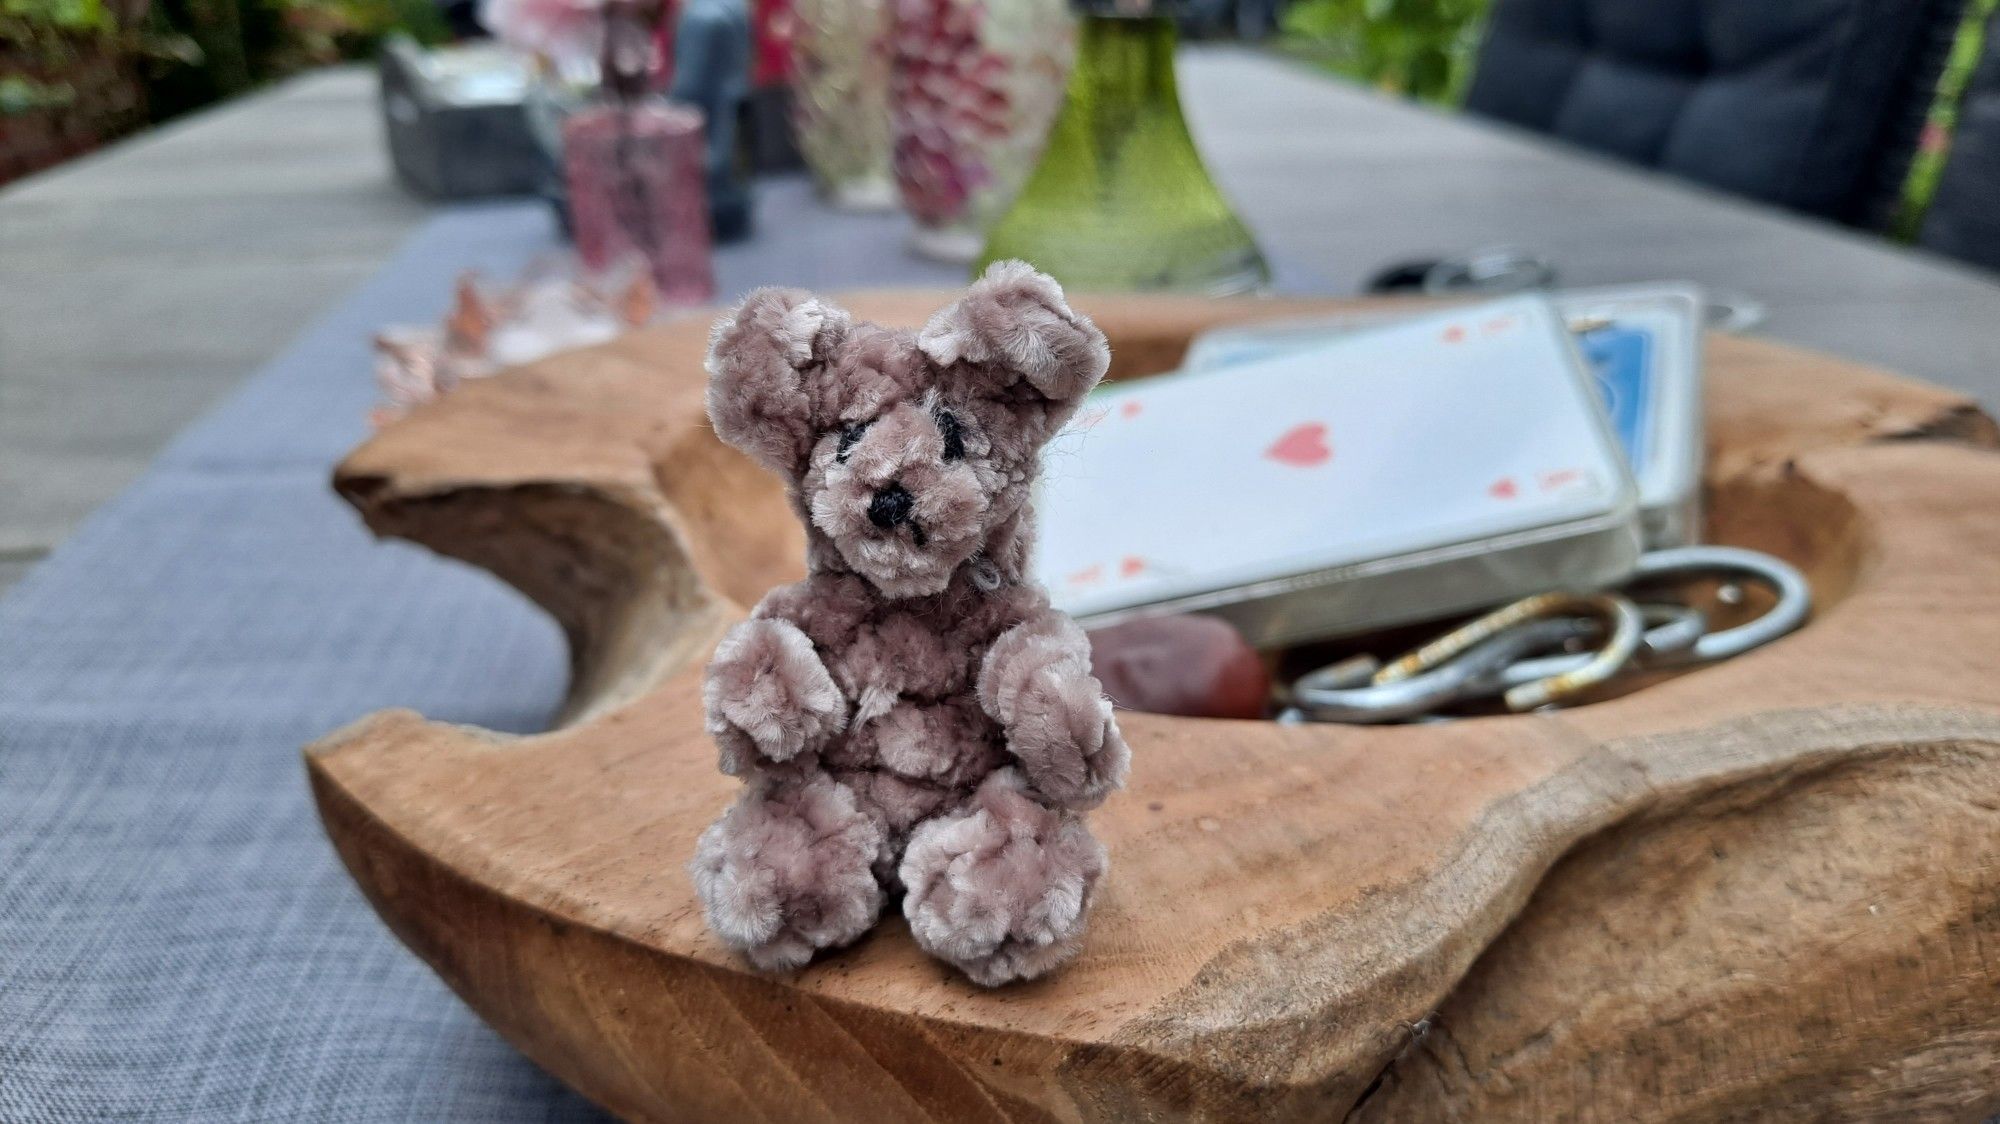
1622, 624
1351, 691
1626, 631
1793, 605
1670, 629
1683, 640
1623, 629
1494, 654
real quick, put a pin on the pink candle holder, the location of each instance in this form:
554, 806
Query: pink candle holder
637, 187
636, 164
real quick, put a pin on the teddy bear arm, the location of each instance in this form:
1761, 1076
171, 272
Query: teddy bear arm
1036, 683
769, 697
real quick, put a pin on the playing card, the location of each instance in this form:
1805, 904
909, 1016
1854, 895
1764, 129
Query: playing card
1643, 345
1399, 473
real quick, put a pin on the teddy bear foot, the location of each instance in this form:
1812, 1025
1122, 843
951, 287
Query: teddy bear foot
1001, 887
788, 870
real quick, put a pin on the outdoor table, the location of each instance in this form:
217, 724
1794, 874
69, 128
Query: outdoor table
1338, 183
178, 940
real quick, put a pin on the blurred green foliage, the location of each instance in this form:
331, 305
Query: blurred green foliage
189, 53
19, 17
41, 39
1928, 164
1417, 48
244, 43
19, 95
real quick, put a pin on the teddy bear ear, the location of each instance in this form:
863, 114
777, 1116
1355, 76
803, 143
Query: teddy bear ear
1013, 325
763, 359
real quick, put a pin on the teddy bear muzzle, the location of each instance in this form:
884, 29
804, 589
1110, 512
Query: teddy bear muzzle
891, 509
901, 513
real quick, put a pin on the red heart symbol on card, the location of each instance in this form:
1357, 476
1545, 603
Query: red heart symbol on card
1302, 446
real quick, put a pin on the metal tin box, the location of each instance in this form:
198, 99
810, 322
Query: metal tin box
455, 121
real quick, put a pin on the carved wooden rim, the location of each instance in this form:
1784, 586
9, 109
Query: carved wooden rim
1286, 905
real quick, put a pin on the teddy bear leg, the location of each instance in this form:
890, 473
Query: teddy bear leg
1001, 886
788, 870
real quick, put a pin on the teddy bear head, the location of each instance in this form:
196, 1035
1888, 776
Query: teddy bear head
909, 454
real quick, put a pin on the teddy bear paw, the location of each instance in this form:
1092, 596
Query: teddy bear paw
769, 697
1001, 889
789, 870
1061, 729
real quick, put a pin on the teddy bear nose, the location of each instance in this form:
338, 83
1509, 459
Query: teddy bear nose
890, 507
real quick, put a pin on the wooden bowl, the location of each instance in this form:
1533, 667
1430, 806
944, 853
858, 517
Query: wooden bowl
1765, 883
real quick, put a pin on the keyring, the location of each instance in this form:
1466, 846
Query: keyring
1670, 630
1345, 692
1793, 605
1494, 653
1627, 629
1539, 607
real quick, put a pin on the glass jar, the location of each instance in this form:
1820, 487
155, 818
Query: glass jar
840, 99
1120, 199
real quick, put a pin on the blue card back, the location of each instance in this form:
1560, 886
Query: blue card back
1622, 360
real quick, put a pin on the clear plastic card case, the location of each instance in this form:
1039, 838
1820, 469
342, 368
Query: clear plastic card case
1401, 472
1643, 345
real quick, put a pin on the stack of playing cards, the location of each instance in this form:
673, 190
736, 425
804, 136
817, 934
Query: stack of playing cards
1314, 482
1643, 345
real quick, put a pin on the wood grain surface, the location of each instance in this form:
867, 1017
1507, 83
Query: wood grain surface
1766, 887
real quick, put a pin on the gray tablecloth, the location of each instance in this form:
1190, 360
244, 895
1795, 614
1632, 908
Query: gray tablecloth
178, 940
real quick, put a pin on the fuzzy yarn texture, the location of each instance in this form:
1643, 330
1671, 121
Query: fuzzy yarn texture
913, 719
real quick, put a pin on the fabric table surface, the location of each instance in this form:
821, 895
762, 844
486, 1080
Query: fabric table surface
178, 940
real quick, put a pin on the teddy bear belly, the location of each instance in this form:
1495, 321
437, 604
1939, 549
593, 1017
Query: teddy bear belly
949, 744
914, 762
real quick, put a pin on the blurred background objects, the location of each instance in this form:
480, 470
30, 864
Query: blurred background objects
1813, 106
1953, 189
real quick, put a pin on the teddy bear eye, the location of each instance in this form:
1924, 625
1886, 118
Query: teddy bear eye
849, 435
953, 432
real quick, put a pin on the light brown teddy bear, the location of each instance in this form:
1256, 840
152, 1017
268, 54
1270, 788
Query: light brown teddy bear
913, 717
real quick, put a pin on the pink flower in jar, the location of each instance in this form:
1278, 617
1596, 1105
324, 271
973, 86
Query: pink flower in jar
950, 101
569, 33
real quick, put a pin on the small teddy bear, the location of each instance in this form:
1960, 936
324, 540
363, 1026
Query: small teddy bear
913, 717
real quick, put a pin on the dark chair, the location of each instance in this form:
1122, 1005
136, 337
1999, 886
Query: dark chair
1964, 217
1814, 105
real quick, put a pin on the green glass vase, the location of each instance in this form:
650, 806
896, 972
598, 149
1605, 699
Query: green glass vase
1120, 199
